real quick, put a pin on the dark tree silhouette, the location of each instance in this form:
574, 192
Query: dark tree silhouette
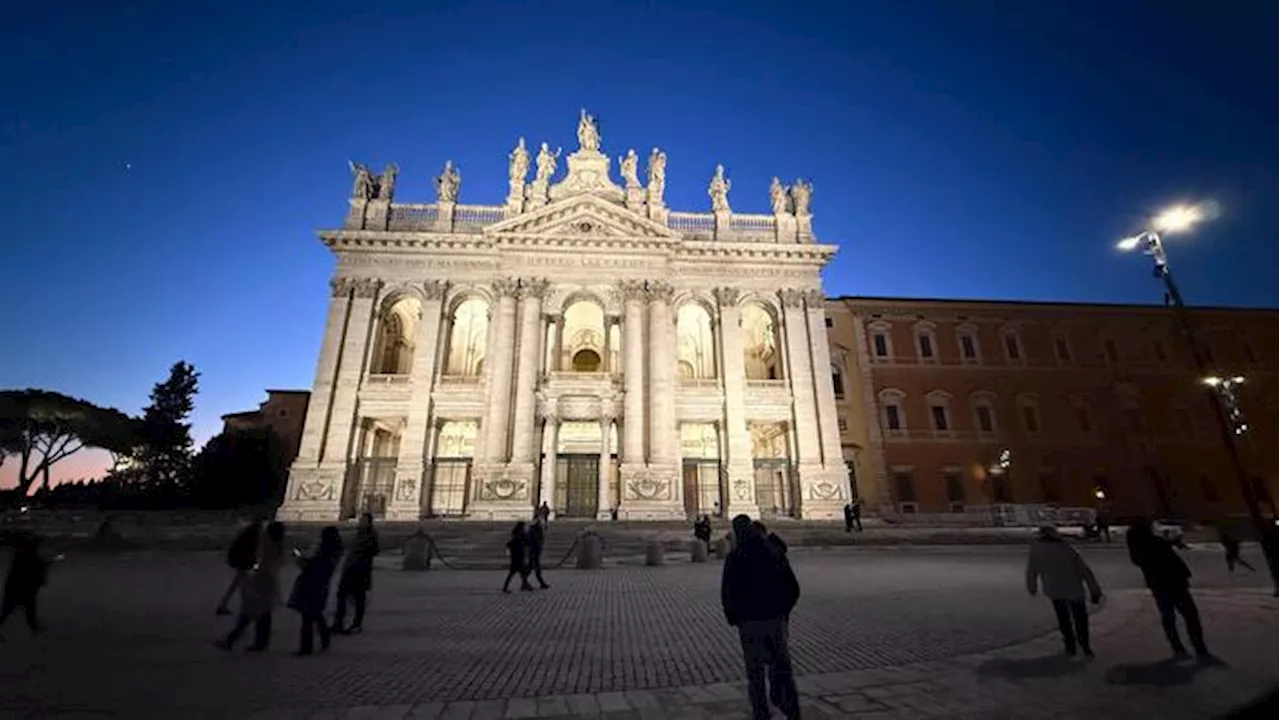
240, 467
164, 457
41, 428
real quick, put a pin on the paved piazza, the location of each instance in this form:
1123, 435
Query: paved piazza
131, 635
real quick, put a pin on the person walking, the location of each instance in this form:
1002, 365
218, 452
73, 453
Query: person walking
517, 552
356, 579
758, 591
1270, 542
1055, 565
1231, 546
778, 543
28, 572
543, 513
848, 517
311, 590
260, 590
857, 513
537, 536
1167, 576
702, 530
241, 556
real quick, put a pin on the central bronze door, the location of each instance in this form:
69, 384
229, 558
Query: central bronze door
578, 486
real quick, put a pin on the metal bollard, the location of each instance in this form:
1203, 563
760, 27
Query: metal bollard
417, 553
698, 551
590, 553
653, 553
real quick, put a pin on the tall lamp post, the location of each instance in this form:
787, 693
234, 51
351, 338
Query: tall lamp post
1229, 419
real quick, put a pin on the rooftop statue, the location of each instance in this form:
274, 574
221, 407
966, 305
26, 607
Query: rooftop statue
588, 132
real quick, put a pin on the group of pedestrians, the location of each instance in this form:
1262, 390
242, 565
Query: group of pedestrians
257, 557
524, 552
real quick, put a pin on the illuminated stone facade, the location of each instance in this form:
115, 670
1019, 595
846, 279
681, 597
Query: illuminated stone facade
580, 345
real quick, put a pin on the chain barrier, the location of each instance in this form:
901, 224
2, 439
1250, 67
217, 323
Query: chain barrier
433, 549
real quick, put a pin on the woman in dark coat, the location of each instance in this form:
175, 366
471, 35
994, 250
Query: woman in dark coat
27, 574
516, 548
311, 589
357, 576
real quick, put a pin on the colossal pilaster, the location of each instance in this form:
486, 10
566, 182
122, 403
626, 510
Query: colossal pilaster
739, 463
406, 499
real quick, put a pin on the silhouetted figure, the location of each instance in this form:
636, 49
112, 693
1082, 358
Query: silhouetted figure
778, 543
1268, 541
357, 577
848, 517
857, 513
1231, 546
1104, 528
28, 572
758, 591
260, 590
1167, 576
241, 556
536, 538
543, 513
517, 551
311, 589
1059, 568
702, 530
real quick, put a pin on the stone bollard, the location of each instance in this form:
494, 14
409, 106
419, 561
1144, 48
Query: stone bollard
590, 553
417, 552
653, 553
722, 548
698, 552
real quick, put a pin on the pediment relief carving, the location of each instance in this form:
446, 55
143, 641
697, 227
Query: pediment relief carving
582, 217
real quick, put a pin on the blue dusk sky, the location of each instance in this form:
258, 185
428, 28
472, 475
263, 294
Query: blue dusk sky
165, 165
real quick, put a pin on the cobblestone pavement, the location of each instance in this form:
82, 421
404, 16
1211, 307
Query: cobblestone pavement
131, 635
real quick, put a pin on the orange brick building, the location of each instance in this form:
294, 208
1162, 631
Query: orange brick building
1084, 397
283, 412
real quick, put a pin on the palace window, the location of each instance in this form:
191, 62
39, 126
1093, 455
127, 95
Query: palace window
1012, 346
1113, 353
904, 486
837, 382
1062, 349
1157, 349
954, 482
1030, 415
983, 414
893, 417
967, 339
926, 341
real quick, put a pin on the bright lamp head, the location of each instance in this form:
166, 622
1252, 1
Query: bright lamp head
1179, 218
1129, 244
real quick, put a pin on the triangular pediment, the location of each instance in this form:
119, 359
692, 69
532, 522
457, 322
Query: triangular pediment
582, 216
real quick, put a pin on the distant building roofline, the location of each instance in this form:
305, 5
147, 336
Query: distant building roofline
1044, 303
279, 391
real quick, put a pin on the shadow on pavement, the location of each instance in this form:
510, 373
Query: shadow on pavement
1055, 665
1163, 673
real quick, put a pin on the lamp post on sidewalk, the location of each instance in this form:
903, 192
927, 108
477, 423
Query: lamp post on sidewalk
1180, 219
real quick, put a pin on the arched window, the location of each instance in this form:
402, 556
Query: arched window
761, 343
926, 341
583, 339
893, 416
695, 343
397, 331
939, 403
468, 331
984, 412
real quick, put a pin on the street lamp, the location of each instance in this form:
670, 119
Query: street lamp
1099, 494
1227, 413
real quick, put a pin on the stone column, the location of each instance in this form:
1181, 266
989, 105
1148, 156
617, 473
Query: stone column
661, 351
550, 445
406, 503
606, 363
555, 323
603, 501
828, 494
501, 351
800, 378
633, 381
337, 444
738, 462
530, 348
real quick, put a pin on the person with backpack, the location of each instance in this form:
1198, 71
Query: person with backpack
758, 592
260, 591
28, 572
241, 558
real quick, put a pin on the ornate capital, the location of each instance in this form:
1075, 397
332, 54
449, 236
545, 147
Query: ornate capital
659, 292
791, 297
366, 287
505, 287
815, 299
340, 286
726, 296
435, 289
550, 409
632, 290
553, 318
533, 288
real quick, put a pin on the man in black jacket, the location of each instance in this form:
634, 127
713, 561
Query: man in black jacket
758, 592
537, 539
1168, 578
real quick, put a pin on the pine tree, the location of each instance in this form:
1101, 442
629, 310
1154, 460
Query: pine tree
165, 457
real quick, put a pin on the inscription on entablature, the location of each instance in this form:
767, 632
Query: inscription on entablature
730, 269
414, 262
581, 261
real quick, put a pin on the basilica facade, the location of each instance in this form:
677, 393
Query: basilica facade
580, 345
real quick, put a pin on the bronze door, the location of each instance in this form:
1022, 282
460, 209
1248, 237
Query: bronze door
578, 489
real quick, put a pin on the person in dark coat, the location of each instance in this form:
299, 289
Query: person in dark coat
1231, 546
260, 590
758, 591
311, 589
28, 572
1168, 577
241, 556
848, 517
702, 530
517, 551
778, 543
537, 537
357, 577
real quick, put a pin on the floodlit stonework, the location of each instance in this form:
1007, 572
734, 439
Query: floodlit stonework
580, 344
